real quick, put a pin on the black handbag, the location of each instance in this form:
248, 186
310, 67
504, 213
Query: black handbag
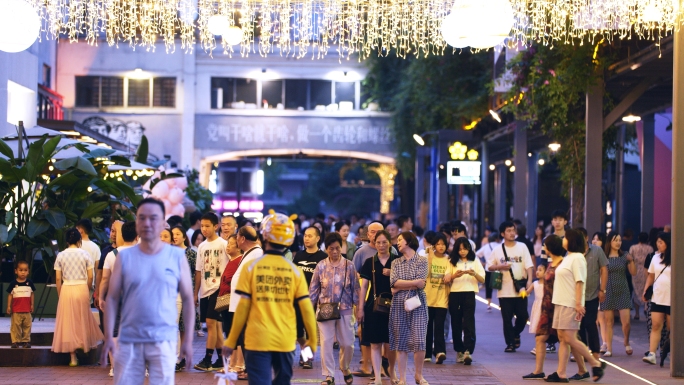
380, 304
330, 311
518, 284
649, 290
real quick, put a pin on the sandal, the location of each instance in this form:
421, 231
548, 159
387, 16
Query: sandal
328, 381
242, 376
422, 382
361, 373
349, 378
598, 372
629, 350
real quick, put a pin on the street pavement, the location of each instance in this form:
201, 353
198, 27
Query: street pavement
491, 366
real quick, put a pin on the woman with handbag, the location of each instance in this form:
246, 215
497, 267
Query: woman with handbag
617, 291
408, 314
464, 275
374, 311
334, 290
657, 290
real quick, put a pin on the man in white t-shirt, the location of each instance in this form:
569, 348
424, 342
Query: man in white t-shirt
85, 227
211, 261
513, 260
130, 237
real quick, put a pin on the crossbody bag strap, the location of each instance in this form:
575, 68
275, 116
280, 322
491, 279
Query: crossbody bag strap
375, 295
503, 247
661, 273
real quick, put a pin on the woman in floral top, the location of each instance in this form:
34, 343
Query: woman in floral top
334, 280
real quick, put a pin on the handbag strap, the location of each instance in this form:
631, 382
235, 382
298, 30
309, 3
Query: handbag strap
344, 283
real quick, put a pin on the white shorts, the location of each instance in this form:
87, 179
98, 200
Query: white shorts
130, 361
564, 318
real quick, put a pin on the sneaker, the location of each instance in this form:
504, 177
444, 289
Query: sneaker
218, 364
27, 345
650, 358
15, 346
489, 309
307, 365
510, 349
459, 358
440, 358
111, 372
200, 333
204, 365
579, 377
551, 348
180, 365
532, 376
467, 359
608, 354
533, 351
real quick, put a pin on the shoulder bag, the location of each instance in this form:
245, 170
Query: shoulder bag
223, 301
496, 277
380, 304
518, 284
649, 290
330, 311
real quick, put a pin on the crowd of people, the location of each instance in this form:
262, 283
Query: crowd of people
397, 288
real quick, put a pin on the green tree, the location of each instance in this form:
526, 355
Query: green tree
549, 93
429, 93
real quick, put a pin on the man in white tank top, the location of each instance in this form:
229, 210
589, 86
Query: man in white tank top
146, 279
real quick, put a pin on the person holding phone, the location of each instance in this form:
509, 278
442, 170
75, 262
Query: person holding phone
568, 300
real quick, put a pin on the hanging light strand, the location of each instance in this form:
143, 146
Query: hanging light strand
313, 28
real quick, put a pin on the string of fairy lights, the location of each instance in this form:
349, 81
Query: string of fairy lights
314, 28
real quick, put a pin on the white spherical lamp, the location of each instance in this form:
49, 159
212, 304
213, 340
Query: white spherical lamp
19, 26
453, 31
479, 24
233, 35
218, 25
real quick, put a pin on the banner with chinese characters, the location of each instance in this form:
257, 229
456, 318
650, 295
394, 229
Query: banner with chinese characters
234, 133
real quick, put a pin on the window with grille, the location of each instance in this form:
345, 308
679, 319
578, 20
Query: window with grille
164, 92
138, 92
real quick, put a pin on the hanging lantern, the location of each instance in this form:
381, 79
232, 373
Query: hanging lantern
19, 26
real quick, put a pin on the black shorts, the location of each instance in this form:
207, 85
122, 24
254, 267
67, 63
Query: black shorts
208, 308
655, 308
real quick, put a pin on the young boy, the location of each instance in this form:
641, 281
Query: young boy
211, 261
20, 306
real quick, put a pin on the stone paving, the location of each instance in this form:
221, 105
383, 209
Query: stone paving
491, 365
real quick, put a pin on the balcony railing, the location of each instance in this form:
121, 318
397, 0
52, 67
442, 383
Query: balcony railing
49, 104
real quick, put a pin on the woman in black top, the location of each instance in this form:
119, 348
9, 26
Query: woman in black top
376, 324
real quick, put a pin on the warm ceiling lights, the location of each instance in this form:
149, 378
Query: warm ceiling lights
361, 27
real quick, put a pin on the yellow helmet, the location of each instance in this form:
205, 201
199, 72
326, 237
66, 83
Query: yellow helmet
278, 229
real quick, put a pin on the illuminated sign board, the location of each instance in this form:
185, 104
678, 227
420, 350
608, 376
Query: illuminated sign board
463, 172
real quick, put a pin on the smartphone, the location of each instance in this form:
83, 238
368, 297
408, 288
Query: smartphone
307, 354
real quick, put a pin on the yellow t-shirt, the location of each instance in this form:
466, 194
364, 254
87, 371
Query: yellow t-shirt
435, 288
272, 283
